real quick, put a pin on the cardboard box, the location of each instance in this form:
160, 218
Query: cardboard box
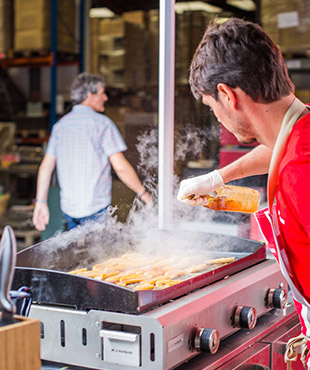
109, 44
153, 57
34, 4
112, 27
6, 3
113, 61
137, 17
135, 57
6, 17
6, 27
287, 23
6, 38
40, 40
112, 78
272, 31
31, 40
153, 20
29, 19
295, 39
63, 6
66, 43
66, 7
33, 25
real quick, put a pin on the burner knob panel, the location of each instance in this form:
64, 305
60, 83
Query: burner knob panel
245, 317
276, 298
207, 340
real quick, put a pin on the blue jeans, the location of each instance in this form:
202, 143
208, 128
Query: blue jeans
73, 221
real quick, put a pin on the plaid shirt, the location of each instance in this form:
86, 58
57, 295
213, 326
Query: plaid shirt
82, 142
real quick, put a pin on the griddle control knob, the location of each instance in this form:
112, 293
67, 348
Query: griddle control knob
245, 317
276, 298
207, 340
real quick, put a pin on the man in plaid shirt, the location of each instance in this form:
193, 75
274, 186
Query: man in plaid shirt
84, 144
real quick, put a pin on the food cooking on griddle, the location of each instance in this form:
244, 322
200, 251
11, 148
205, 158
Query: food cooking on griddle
147, 272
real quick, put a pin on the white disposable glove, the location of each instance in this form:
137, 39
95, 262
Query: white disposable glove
198, 187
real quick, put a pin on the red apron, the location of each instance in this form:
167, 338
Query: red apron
268, 222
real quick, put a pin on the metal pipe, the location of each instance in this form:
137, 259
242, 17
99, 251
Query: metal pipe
82, 35
166, 112
53, 116
87, 37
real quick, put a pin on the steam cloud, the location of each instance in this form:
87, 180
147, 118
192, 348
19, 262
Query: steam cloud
140, 231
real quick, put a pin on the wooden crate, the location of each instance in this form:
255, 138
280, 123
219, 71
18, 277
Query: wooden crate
20, 345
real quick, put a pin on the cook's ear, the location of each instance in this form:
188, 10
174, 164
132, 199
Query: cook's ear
228, 94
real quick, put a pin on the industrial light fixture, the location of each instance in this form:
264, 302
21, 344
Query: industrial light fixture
101, 13
196, 6
247, 5
221, 20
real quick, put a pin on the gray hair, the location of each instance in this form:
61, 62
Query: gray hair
83, 84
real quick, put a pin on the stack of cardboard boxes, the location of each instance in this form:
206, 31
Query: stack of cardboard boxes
135, 56
118, 50
126, 49
153, 47
6, 29
32, 25
108, 50
190, 27
288, 23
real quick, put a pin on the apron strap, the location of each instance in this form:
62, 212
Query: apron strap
291, 117
293, 113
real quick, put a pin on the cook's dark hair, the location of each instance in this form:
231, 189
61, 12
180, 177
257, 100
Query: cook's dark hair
83, 84
239, 54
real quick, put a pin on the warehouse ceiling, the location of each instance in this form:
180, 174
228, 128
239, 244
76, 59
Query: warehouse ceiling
247, 9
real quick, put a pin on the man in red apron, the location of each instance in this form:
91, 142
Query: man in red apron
240, 74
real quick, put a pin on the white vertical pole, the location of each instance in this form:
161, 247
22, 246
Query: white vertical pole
166, 112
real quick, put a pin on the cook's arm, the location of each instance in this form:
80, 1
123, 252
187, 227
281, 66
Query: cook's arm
193, 191
128, 176
41, 212
256, 162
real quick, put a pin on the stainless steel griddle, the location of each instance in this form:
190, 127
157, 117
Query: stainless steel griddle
99, 325
55, 286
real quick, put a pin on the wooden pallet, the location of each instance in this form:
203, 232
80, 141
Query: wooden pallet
30, 58
27, 238
30, 53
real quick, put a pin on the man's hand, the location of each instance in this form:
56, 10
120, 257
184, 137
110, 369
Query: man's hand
193, 191
41, 216
146, 198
